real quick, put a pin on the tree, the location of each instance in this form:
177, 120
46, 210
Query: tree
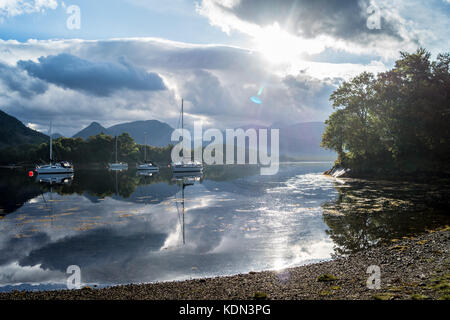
396, 120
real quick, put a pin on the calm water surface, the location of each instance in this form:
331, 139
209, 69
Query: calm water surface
121, 227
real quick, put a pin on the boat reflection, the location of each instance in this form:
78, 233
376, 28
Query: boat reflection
146, 173
55, 178
187, 177
118, 169
184, 179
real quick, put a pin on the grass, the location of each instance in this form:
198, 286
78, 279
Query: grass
327, 278
419, 297
325, 293
399, 248
261, 296
335, 288
384, 296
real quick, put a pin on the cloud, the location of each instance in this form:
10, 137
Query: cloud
11, 8
18, 81
309, 19
312, 92
215, 81
97, 78
340, 24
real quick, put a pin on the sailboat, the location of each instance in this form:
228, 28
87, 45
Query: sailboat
54, 167
186, 165
147, 165
118, 165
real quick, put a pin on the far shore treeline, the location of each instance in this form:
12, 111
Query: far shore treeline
396, 122
95, 149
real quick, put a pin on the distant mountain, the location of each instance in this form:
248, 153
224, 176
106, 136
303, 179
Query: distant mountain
299, 141
302, 141
57, 135
13, 132
158, 133
93, 129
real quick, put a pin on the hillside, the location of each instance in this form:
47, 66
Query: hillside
158, 133
93, 129
13, 132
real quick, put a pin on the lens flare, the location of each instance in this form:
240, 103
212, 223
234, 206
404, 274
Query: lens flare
256, 99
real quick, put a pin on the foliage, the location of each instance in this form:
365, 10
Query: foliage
96, 149
397, 120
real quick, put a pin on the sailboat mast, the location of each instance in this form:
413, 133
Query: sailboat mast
51, 144
116, 149
182, 191
182, 125
145, 147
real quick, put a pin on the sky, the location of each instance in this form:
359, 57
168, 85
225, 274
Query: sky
74, 62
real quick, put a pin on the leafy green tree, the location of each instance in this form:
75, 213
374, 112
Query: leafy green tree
397, 120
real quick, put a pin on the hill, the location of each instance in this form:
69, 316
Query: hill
13, 132
93, 129
158, 133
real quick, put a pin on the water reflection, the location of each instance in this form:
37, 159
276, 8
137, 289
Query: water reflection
55, 178
368, 212
183, 180
126, 227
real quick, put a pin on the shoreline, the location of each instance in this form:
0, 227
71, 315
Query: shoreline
430, 177
411, 268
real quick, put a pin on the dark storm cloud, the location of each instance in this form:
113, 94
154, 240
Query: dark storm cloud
97, 78
342, 19
16, 80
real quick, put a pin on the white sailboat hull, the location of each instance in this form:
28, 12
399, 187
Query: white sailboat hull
53, 169
148, 167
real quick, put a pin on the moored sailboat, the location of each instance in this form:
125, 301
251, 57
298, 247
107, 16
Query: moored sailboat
186, 165
147, 165
118, 165
60, 167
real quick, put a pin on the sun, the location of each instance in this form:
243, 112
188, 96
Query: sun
277, 45
281, 47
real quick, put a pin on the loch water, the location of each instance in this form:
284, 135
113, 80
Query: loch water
128, 227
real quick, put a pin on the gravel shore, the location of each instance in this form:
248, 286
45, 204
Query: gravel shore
411, 268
